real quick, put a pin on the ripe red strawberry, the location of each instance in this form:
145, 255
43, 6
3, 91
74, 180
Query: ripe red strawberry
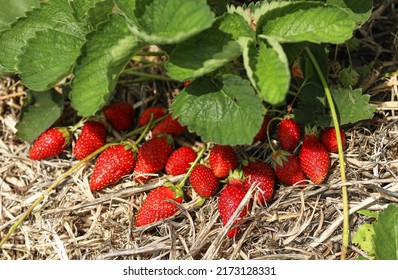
262, 176
50, 143
262, 133
186, 83
329, 140
111, 165
156, 206
287, 168
222, 159
169, 126
91, 138
203, 181
121, 115
180, 161
314, 159
145, 116
152, 157
289, 134
230, 198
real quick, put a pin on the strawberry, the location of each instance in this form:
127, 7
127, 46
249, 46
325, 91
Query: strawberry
180, 161
289, 134
262, 176
152, 157
121, 115
262, 133
222, 160
169, 126
186, 83
50, 143
111, 165
329, 140
145, 116
156, 206
314, 159
203, 181
287, 168
91, 138
229, 200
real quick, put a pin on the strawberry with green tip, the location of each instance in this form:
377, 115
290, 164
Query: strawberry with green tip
180, 160
50, 143
121, 115
157, 206
145, 116
152, 157
222, 159
111, 165
314, 159
329, 140
262, 176
91, 138
203, 181
230, 198
289, 134
287, 168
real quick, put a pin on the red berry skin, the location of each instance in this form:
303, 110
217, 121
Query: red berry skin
289, 134
91, 138
50, 143
262, 176
169, 126
289, 171
329, 140
180, 161
203, 181
230, 198
152, 157
111, 165
156, 206
121, 115
222, 160
145, 116
314, 159
262, 133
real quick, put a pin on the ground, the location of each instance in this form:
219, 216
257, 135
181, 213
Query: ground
73, 222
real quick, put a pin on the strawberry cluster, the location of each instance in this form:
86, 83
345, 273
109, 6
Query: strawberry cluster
234, 179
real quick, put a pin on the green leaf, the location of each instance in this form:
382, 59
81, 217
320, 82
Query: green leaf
225, 110
311, 106
168, 21
268, 70
386, 234
210, 49
50, 15
11, 9
106, 53
364, 238
91, 12
40, 111
359, 11
307, 21
368, 213
219, 7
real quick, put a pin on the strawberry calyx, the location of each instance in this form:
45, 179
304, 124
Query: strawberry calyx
279, 157
66, 134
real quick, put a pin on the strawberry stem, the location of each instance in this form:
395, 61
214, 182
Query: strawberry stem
340, 152
141, 128
268, 134
182, 183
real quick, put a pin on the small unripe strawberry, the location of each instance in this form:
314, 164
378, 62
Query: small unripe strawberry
156, 206
145, 116
289, 134
314, 159
91, 138
121, 115
111, 165
222, 159
203, 181
50, 143
329, 140
180, 161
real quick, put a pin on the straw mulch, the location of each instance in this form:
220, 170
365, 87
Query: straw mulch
73, 222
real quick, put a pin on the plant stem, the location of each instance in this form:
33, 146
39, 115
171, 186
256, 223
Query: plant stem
150, 54
341, 156
49, 189
181, 184
147, 75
